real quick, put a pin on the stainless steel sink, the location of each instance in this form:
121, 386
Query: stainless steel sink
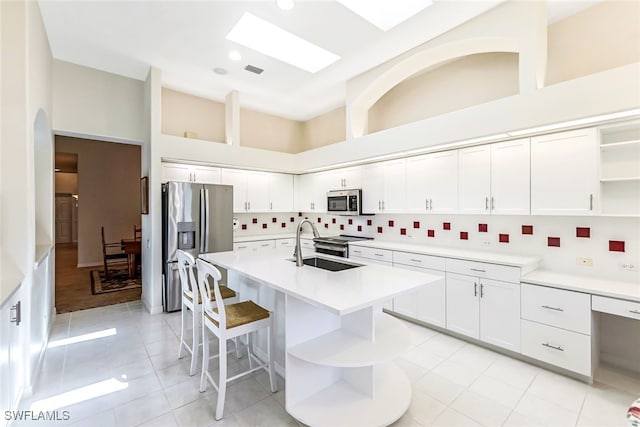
327, 264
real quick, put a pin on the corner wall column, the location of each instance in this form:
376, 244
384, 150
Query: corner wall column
232, 118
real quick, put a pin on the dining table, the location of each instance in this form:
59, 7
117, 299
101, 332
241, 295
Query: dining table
131, 247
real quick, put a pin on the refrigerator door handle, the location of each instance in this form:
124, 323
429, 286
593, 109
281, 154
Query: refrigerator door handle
202, 220
207, 221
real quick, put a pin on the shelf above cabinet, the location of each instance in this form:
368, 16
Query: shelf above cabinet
342, 348
615, 145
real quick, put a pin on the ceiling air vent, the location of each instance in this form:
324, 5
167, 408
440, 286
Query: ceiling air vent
253, 69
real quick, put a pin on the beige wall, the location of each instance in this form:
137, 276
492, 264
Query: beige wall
108, 192
66, 183
261, 130
324, 129
465, 82
599, 38
182, 113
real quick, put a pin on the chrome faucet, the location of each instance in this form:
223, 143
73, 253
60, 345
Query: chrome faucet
297, 253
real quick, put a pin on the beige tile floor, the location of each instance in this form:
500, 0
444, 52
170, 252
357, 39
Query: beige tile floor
126, 373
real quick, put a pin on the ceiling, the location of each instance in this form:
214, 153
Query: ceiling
187, 40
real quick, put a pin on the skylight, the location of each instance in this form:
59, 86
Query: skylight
271, 40
386, 14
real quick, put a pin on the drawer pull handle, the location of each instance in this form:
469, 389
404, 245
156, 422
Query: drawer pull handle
478, 269
379, 254
475, 289
553, 347
552, 308
415, 260
634, 311
265, 244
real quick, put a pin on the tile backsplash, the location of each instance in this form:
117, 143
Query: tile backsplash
559, 240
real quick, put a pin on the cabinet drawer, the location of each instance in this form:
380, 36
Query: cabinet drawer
265, 244
419, 260
285, 243
557, 307
244, 246
566, 349
307, 243
371, 253
616, 306
504, 273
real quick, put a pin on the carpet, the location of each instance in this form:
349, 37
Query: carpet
118, 281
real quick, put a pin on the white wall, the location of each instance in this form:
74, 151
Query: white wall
88, 102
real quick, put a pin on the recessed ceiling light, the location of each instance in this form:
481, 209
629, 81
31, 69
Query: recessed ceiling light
220, 71
386, 14
234, 55
285, 4
271, 40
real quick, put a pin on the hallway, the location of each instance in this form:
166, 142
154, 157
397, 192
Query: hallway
73, 285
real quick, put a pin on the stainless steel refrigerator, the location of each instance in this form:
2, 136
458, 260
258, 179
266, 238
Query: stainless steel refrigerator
197, 218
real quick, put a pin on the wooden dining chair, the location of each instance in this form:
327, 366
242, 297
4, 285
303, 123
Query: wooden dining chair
112, 253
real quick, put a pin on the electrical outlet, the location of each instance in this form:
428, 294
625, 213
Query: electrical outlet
629, 267
587, 262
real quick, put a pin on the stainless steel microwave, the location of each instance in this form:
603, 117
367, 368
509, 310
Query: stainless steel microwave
344, 202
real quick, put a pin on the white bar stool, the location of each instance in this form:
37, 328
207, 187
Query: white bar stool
191, 300
226, 322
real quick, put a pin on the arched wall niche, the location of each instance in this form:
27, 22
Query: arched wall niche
418, 63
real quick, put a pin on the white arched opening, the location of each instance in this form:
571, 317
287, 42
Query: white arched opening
418, 63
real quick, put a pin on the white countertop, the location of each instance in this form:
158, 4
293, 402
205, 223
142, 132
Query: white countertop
595, 286
526, 263
340, 292
259, 237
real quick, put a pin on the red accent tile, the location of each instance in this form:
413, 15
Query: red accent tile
503, 238
254, 220
616, 245
369, 222
583, 232
244, 226
416, 224
292, 219
379, 229
464, 235
274, 219
319, 220
553, 241
359, 228
483, 228
299, 214
341, 226
446, 226
350, 221
264, 225
333, 220
431, 233
283, 225
403, 231
527, 229
326, 225
390, 223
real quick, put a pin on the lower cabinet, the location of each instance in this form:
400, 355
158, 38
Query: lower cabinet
427, 304
484, 309
256, 246
374, 256
13, 361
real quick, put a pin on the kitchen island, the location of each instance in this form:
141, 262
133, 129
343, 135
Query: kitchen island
331, 334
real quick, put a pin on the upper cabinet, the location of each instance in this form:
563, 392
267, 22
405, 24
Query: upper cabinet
510, 178
311, 192
345, 178
620, 169
474, 180
255, 191
432, 183
384, 187
190, 173
564, 173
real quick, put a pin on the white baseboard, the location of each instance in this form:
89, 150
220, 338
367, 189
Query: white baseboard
152, 309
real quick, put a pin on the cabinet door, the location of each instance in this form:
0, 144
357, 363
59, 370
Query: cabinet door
463, 309
258, 191
281, 192
352, 177
238, 179
206, 175
320, 184
302, 192
474, 180
500, 314
427, 304
176, 172
442, 182
394, 186
372, 188
510, 178
417, 195
564, 173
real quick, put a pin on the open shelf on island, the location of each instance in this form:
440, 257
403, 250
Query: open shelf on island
342, 348
389, 402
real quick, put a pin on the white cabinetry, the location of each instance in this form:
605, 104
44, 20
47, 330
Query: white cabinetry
13, 361
255, 191
481, 307
384, 187
190, 173
345, 178
376, 256
255, 246
564, 173
311, 192
280, 192
494, 178
432, 183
